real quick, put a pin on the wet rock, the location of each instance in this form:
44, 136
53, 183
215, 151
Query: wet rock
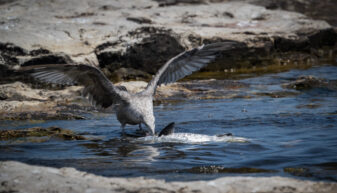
309, 82
221, 169
40, 115
277, 94
49, 132
37, 179
304, 172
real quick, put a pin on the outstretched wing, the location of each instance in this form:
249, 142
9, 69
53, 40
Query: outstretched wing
100, 91
187, 62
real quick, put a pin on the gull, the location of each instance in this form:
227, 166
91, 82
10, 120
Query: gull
131, 108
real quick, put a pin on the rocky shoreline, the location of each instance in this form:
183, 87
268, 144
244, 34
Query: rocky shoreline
18, 177
130, 40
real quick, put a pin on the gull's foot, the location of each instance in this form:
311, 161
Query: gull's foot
141, 132
140, 128
124, 135
133, 135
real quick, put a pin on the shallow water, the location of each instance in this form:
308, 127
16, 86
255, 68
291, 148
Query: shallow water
295, 135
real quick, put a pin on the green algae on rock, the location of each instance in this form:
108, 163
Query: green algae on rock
304, 172
39, 115
49, 132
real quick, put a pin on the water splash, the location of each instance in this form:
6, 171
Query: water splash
191, 138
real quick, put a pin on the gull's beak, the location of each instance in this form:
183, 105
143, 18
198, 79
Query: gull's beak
150, 129
152, 132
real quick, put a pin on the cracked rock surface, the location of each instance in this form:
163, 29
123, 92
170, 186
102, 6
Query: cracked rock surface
142, 34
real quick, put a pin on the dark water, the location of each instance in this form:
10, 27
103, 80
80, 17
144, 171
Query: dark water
294, 135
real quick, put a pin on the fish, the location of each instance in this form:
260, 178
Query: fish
168, 130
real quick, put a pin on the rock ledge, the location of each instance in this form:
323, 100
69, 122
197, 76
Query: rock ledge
19, 177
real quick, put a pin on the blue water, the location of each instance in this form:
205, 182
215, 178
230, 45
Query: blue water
296, 131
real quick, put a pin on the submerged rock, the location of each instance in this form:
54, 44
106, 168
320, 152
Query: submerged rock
277, 94
309, 82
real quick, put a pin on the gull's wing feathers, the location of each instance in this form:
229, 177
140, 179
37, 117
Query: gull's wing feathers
187, 62
100, 91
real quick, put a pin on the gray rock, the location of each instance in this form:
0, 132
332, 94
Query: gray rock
20, 102
142, 35
323, 9
19, 177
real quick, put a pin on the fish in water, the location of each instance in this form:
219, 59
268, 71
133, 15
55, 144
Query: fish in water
169, 129
131, 108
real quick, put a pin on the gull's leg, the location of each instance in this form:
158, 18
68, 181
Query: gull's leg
140, 130
123, 128
140, 127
